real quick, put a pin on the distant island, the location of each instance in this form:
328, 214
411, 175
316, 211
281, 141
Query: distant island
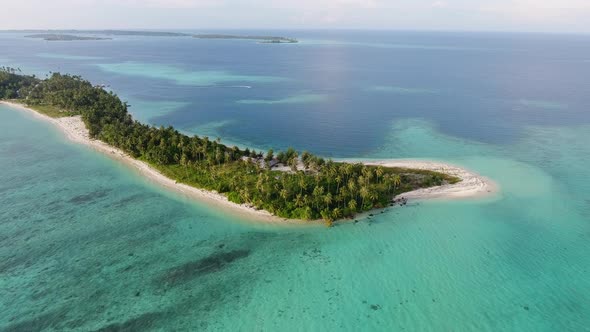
262, 39
105, 32
69, 35
288, 184
63, 37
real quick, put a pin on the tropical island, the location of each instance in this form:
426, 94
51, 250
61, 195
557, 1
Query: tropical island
287, 184
70, 35
261, 39
63, 37
104, 32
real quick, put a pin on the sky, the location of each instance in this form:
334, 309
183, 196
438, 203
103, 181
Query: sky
464, 15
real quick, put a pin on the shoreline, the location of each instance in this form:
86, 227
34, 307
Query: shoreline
471, 186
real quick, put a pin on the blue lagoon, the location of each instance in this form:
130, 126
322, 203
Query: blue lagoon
87, 244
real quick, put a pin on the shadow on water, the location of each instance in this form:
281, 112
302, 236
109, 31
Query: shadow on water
92, 196
130, 200
53, 320
201, 287
140, 323
50, 320
194, 269
44, 244
200, 281
190, 309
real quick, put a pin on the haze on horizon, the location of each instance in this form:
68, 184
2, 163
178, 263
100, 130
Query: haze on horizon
479, 15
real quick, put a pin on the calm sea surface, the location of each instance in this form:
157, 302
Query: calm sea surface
87, 244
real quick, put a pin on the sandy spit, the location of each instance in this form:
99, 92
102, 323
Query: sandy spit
472, 185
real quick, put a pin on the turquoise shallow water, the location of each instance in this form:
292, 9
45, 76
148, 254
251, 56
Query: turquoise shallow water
86, 244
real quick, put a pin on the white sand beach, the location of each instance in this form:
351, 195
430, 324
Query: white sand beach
471, 186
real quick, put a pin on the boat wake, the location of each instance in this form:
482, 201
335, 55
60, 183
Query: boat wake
239, 86
227, 86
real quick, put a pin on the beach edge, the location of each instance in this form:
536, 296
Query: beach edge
472, 185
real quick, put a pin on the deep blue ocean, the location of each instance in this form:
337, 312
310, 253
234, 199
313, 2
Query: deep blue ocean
86, 244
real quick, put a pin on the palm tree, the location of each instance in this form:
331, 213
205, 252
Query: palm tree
373, 196
205, 149
218, 156
235, 153
342, 196
387, 180
305, 158
338, 180
245, 194
348, 170
352, 205
364, 191
328, 199
379, 172
336, 213
302, 183
331, 171
396, 180
367, 173
293, 163
352, 187
234, 182
361, 180
317, 193
284, 194
299, 200
269, 155
195, 150
327, 216
260, 183
184, 162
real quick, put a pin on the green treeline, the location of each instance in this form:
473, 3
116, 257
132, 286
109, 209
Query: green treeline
264, 39
310, 188
63, 37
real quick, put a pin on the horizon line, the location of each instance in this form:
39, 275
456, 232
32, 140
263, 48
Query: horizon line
306, 29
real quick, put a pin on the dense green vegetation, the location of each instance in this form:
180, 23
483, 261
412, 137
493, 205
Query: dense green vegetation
104, 32
262, 39
310, 187
63, 37
70, 35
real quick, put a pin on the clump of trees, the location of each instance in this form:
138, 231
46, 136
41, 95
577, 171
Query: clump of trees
11, 82
319, 189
